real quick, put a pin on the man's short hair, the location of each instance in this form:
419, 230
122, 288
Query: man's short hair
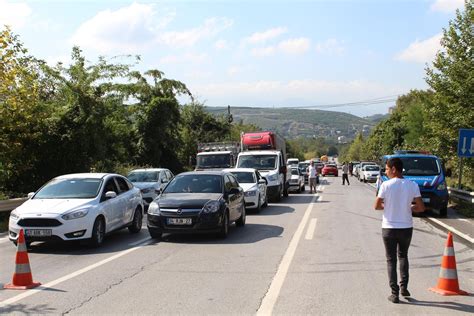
397, 163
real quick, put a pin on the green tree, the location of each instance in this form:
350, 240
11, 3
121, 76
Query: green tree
452, 79
22, 117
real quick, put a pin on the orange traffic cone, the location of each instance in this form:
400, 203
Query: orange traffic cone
22, 278
448, 276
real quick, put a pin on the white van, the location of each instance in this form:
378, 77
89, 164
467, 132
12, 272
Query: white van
292, 162
271, 165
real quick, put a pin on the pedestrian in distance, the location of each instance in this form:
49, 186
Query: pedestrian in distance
394, 198
312, 174
345, 173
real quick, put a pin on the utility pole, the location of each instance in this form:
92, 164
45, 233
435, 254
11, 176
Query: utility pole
230, 119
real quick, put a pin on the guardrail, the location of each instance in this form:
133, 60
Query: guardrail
9, 205
461, 195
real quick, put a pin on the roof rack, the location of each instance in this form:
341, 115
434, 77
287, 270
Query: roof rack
405, 152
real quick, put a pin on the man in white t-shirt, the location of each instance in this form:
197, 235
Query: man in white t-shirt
395, 198
312, 175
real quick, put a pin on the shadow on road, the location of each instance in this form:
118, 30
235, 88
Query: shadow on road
273, 209
26, 309
248, 234
446, 305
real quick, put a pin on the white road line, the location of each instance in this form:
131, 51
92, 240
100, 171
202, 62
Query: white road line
271, 296
311, 228
454, 230
464, 220
139, 241
23, 295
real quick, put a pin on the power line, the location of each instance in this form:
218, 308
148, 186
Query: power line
380, 100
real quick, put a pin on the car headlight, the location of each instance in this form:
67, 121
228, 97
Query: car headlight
154, 208
272, 177
211, 207
14, 215
250, 193
75, 214
441, 186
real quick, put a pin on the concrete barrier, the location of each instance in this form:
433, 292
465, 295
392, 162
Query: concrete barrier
9, 205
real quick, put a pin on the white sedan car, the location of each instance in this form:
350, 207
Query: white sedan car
150, 182
254, 185
369, 173
83, 206
297, 180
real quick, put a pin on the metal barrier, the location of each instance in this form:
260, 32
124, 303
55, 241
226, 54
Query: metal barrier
461, 195
9, 205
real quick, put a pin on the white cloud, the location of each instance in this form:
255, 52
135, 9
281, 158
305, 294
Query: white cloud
447, 6
221, 44
294, 46
262, 37
330, 46
185, 58
127, 30
421, 51
14, 14
234, 70
209, 29
263, 51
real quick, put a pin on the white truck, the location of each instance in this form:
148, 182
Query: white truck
216, 156
266, 152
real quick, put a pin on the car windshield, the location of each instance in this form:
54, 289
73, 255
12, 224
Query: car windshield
259, 162
420, 166
195, 183
213, 161
372, 168
143, 176
295, 171
244, 177
69, 189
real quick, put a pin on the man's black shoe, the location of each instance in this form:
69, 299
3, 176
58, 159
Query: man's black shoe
404, 292
394, 298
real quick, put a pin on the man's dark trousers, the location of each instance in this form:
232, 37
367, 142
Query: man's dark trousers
345, 178
397, 240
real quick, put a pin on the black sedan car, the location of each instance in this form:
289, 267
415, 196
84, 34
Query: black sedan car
199, 201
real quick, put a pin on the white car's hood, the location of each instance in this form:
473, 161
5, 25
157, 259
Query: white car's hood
247, 186
51, 206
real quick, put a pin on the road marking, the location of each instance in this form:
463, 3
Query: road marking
454, 230
48, 285
139, 241
464, 220
271, 296
311, 228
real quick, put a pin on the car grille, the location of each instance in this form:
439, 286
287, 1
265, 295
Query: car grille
39, 222
183, 212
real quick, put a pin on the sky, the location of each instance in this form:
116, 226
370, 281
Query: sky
353, 56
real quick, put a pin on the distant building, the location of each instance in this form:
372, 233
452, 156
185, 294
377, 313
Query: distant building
342, 139
391, 109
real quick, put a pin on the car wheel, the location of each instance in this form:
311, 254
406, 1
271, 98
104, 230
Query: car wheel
443, 212
155, 234
259, 205
278, 197
241, 221
285, 190
98, 233
225, 226
136, 225
265, 203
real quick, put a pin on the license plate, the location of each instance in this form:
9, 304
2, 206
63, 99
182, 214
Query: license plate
38, 232
180, 221
426, 200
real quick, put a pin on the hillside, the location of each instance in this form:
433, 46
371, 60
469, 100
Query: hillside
299, 122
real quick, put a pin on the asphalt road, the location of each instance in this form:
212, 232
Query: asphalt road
311, 254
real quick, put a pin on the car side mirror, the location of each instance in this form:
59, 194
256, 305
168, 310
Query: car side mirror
110, 195
262, 181
30, 195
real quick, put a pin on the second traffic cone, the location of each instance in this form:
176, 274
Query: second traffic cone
22, 278
448, 277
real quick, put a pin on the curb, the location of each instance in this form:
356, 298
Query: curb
465, 239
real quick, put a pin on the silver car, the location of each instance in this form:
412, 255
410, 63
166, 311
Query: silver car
150, 181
